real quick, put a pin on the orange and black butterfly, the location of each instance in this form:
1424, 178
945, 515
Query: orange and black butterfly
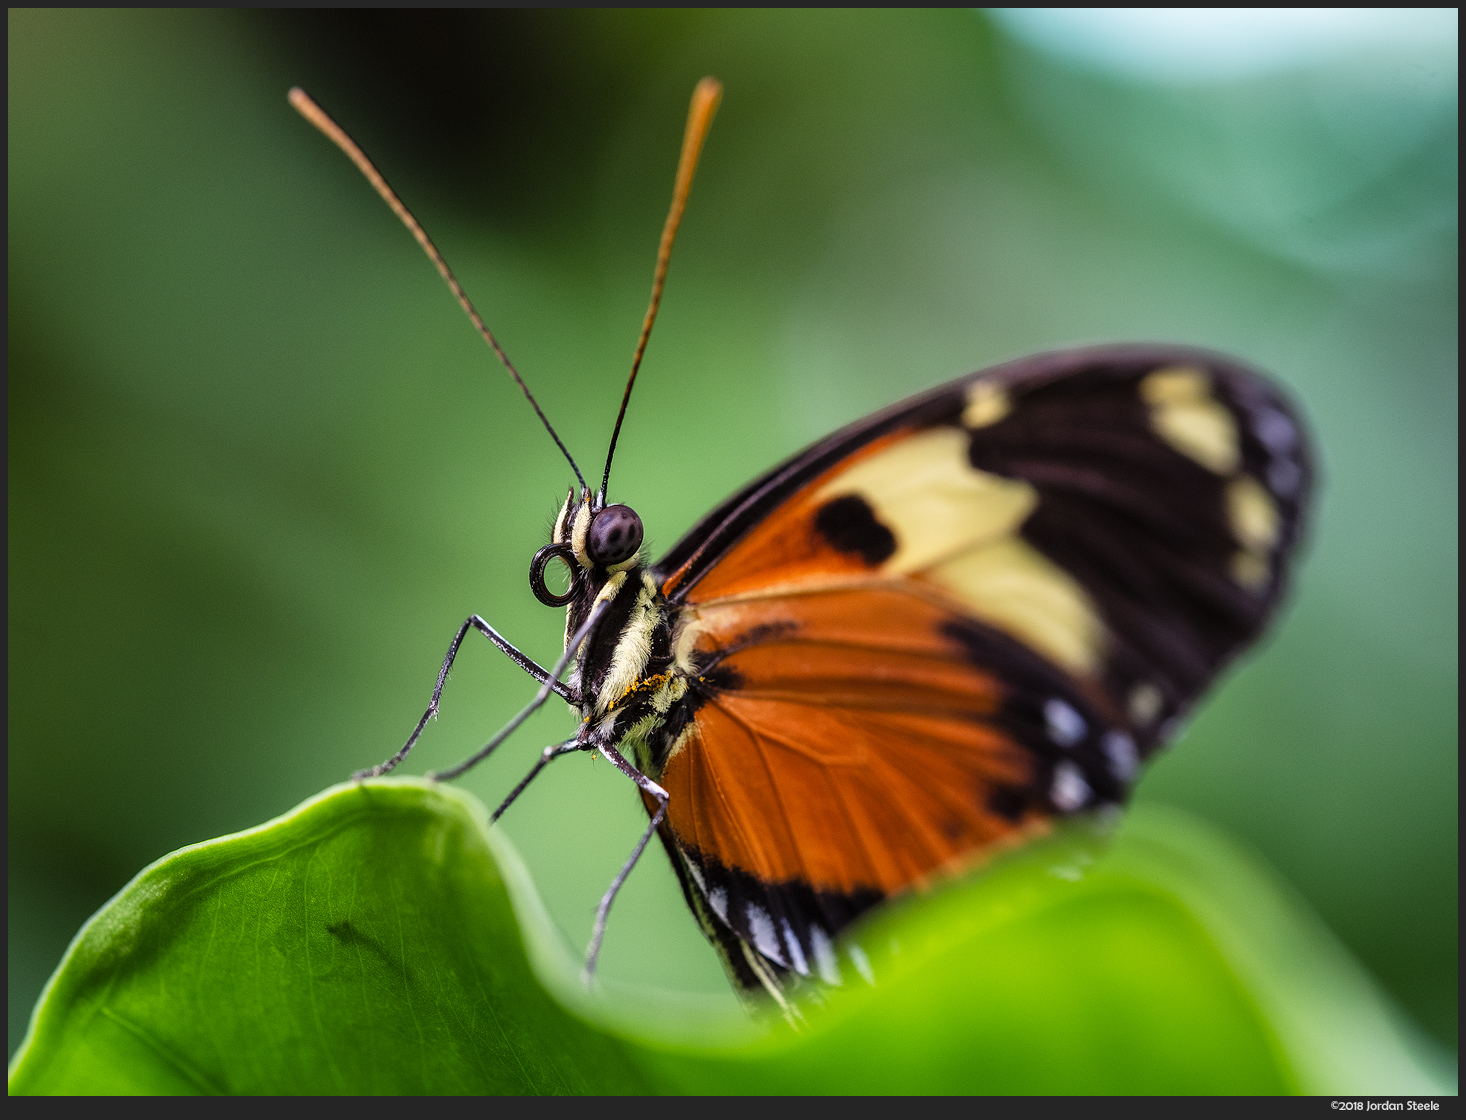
930, 635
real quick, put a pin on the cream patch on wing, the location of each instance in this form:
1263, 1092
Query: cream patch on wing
987, 403
1009, 584
1252, 514
1256, 525
926, 491
1184, 413
957, 527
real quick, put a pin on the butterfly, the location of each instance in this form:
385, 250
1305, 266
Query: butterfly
931, 635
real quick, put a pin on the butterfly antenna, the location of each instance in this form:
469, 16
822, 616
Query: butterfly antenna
312, 112
700, 114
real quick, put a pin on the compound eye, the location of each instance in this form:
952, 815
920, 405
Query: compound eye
614, 535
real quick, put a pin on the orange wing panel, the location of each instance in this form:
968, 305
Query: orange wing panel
752, 790
854, 748
784, 548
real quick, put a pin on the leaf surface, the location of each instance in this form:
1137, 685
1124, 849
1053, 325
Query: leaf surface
382, 939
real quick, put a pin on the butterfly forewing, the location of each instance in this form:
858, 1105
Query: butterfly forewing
944, 626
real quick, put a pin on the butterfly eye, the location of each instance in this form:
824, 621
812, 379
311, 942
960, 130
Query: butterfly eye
614, 535
537, 582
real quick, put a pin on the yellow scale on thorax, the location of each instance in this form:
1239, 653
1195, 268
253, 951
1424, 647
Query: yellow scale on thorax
625, 680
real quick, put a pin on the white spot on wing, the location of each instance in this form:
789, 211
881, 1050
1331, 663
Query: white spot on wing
796, 951
824, 956
696, 872
1065, 726
1145, 704
861, 963
718, 899
1274, 430
1120, 750
761, 926
1070, 790
1284, 476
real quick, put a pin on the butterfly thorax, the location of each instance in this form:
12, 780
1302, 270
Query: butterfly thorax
631, 686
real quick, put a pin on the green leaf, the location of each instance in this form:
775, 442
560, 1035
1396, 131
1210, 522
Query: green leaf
381, 939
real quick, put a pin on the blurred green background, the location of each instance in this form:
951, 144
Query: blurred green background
260, 467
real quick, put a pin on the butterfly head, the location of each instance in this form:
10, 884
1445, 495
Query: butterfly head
593, 541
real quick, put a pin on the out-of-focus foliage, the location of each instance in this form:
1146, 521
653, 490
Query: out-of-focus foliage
366, 943
260, 468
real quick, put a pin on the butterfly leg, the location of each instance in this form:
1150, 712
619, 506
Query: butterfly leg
647, 786
552, 680
547, 756
526, 663
477, 623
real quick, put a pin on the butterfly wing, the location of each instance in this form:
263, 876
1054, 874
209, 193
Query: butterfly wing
947, 624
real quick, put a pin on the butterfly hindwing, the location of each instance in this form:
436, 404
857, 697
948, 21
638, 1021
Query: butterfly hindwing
945, 625
826, 766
